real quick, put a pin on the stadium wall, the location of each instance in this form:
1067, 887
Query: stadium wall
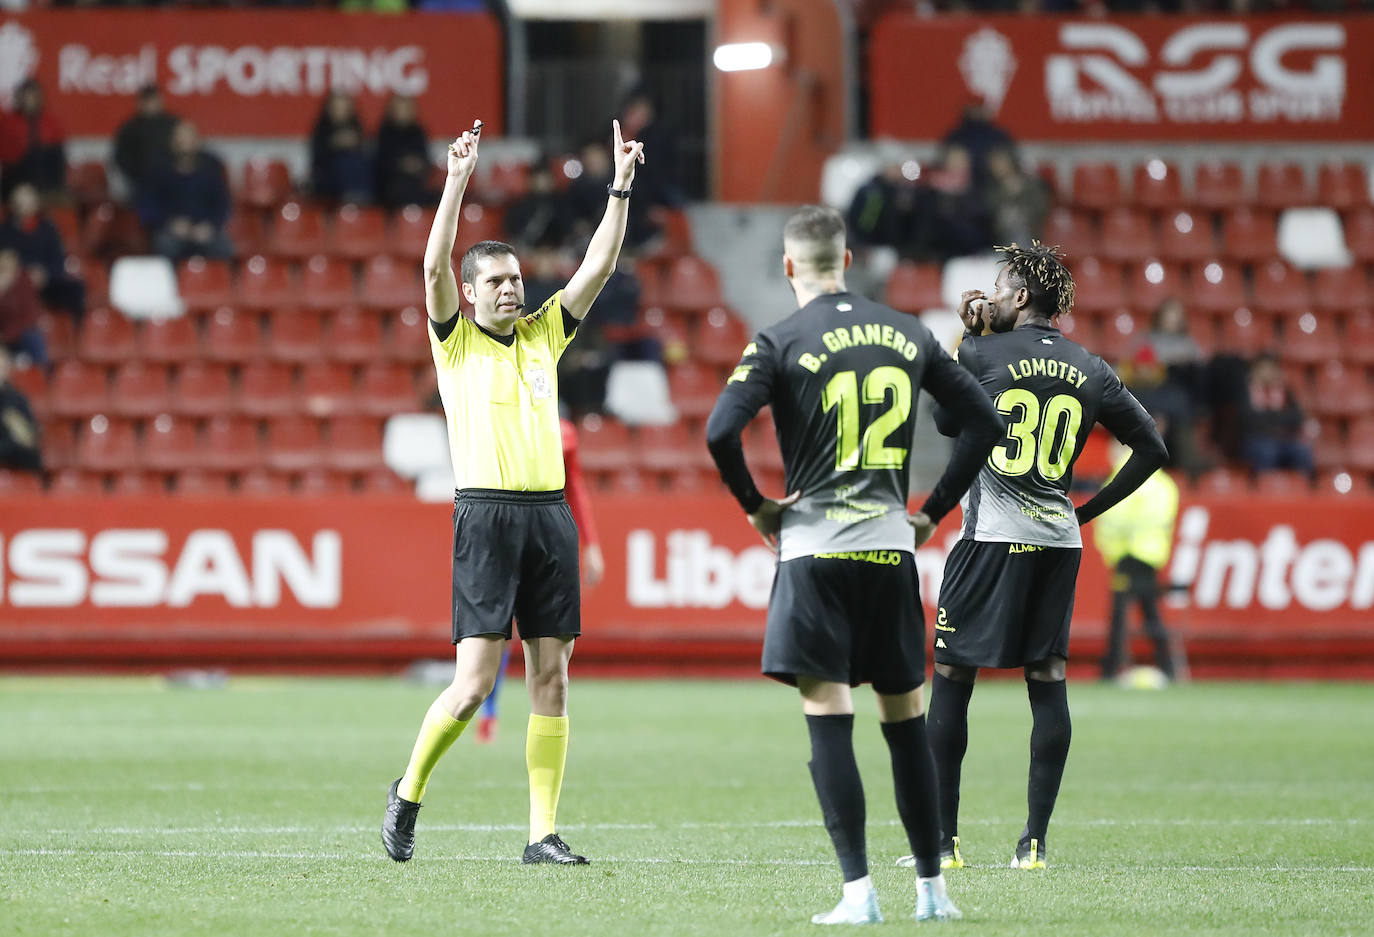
1271, 585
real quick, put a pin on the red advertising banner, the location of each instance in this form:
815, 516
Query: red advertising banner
255, 72
1175, 78
360, 572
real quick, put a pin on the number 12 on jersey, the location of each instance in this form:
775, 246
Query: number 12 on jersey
868, 449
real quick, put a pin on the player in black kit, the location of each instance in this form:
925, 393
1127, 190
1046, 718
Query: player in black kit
1009, 582
842, 375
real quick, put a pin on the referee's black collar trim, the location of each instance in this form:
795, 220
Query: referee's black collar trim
507, 340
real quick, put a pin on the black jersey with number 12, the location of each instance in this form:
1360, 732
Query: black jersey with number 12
1051, 392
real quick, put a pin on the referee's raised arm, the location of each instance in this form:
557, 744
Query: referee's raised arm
604, 249
441, 287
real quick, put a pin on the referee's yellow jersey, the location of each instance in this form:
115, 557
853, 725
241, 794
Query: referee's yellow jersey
501, 402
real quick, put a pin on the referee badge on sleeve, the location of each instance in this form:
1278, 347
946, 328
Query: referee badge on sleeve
541, 388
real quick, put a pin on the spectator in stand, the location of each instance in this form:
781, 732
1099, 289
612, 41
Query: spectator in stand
1271, 421
1174, 412
19, 438
32, 235
143, 143
32, 145
188, 204
882, 210
586, 197
978, 136
658, 185
340, 168
19, 312
539, 218
951, 218
403, 165
1018, 203
1177, 350
614, 334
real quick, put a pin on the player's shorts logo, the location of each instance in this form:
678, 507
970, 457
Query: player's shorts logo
942, 624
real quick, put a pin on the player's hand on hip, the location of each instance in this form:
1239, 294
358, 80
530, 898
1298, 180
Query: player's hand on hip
767, 520
973, 311
627, 154
462, 153
593, 565
922, 526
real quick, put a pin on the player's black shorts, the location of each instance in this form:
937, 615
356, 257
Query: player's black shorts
847, 621
514, 554
1005, 604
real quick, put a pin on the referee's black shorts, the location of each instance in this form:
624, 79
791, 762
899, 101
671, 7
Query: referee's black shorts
847, 621
1005, 604
514, 554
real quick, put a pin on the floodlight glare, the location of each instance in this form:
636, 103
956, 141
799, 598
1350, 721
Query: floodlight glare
743, 56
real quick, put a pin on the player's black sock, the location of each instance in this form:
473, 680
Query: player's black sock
1051, 730
913, 777
839, 789
948, 741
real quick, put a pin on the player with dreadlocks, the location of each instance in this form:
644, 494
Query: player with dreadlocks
1008, 589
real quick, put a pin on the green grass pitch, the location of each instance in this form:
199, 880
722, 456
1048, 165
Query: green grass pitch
131, 807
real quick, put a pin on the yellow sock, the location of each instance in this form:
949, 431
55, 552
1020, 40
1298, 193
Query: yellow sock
546, 750
437, 733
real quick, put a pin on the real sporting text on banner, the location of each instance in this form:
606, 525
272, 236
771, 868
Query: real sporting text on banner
254, 72
1126, 77
343, 575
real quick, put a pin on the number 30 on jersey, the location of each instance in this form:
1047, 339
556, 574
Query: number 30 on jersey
1043, 438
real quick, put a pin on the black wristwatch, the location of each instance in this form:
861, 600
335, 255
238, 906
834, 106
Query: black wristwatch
618, 193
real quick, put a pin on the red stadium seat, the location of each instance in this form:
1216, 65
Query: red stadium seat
107, 445
139, 483
205, 285
1342, 186
33, 384
1309, 339
294, 444
1073, 232
106, 337
1359, 446
384, 481
692, 284
1242, 333
390, 284
409, 336
88, 183
664, 449
1219, 186
326, 388
1217, 286
201, 483
78, 390
247, 230
68, 225
327, 283
387, 389
355, 444
202, 389
95, 274
720, 339
914, 287
294, 336
1339, 289
477, 223
232, 335
1098, 286
261, 483
140, 390
693, 389
1283, 185
74, 483
1096, 186
1222, 481
1282, 483
170, 341
20, 485
503, 181
1280, 288
1150, 283
603, 444
110, 231
1342, 391
1185, 236
297, 232
1358, 347
675, 233
354, 337
60, 335
323, 482
1128, 235
1359, 233
1157, 185
170, 444
357, 233
761, 450
266, 183
1249, 235
266, 389
59, 443
231, 443
265, 283
410, 231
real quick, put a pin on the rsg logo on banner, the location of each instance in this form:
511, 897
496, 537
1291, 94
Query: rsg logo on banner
1108, 73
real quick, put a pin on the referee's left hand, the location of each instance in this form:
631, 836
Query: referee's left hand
767, 520
626, 153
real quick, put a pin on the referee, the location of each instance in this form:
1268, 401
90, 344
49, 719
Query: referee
514, 540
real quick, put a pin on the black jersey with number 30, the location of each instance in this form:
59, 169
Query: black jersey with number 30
842, 375
1050, 391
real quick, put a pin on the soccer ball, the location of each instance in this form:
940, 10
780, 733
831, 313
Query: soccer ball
1143, 678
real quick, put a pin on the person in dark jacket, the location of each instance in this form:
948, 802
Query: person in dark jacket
32, 144
31, 234
1271, 421
340, 169
143, 143
403, 164
19, 438
19, 312
188, 203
